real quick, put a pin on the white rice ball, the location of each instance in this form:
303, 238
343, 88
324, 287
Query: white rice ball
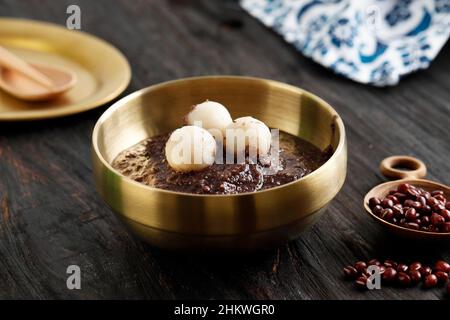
248, 133
190, 148
209, 115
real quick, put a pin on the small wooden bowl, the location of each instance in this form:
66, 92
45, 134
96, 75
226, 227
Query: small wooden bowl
412, 173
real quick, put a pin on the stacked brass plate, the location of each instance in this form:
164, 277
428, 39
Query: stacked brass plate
244, 221
102, 71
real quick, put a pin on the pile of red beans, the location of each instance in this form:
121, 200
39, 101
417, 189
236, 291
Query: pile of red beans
414, 208
403, 275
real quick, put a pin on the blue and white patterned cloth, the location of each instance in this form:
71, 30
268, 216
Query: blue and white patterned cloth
369, 41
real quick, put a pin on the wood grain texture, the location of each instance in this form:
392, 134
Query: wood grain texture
51, 215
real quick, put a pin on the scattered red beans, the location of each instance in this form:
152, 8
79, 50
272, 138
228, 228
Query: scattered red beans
400, 273
414, 208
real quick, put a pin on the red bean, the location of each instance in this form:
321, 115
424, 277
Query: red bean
415, 276
402, 267
442, 266
446, 214
360, 266
361, 283
393, 198
377, 210
416, 205
422, 200
389, 274
387, 214
387, 203
403, 279
408, 203
374, 262
430, 281
390, 263
437, 220
415, 266
431, 201
425, 220
446, 227
350, 273
413, 192
403, 188
412, 225
398, 211
426, 209
442, 277
425, 271
410, 214
400, 196
374, 201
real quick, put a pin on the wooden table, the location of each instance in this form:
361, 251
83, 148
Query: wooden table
51, 216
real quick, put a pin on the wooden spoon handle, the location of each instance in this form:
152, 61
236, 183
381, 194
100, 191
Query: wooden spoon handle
403, 167
11, 61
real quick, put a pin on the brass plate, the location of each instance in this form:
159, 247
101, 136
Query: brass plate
102, 71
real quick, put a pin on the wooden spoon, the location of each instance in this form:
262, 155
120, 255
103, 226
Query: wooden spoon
412, 171
32, 82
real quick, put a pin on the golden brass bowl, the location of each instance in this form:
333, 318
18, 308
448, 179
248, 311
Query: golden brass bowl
238, 222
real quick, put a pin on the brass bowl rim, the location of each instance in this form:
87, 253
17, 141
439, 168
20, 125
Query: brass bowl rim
390, 226
81, 106
123, 101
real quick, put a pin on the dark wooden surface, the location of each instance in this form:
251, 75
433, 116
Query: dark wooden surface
51, 216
